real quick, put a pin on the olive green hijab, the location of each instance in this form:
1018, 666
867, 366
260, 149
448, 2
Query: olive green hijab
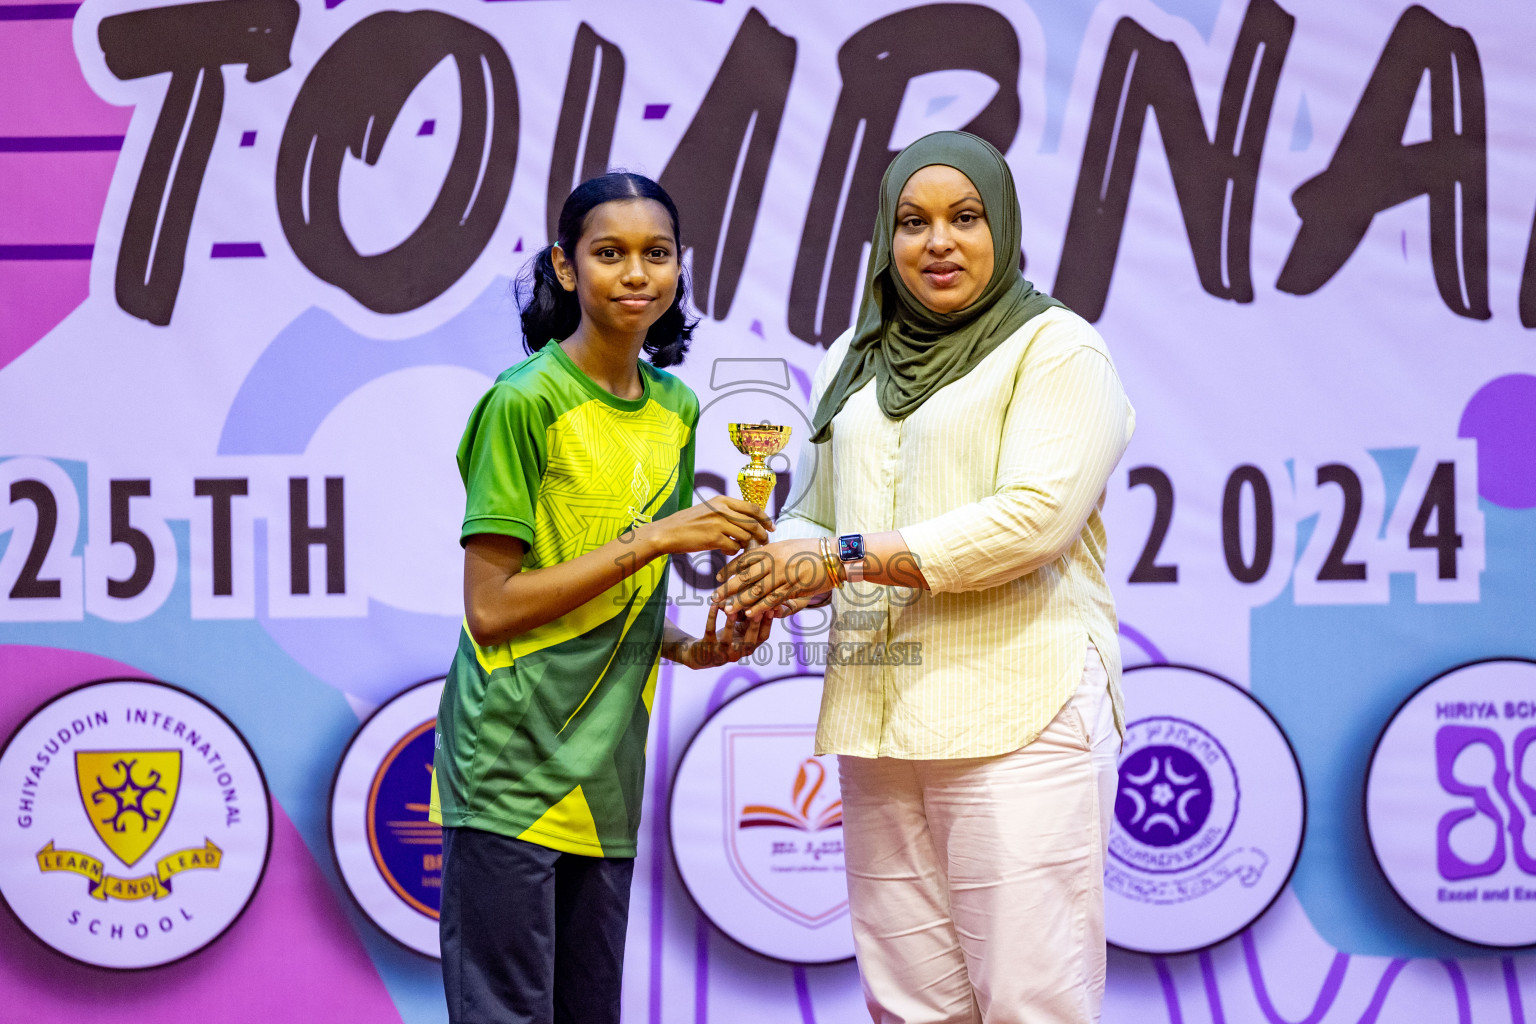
908, 349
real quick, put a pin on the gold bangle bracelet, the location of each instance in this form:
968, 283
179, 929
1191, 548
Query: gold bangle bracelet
830, 562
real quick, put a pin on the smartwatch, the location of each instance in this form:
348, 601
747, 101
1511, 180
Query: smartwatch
850, 551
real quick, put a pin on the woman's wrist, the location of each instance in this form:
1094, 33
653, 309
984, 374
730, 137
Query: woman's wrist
830, 562
883, 559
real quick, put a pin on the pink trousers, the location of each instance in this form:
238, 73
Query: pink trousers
976, 885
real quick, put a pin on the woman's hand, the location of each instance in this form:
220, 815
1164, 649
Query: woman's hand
722, 523
775, 580
746, 635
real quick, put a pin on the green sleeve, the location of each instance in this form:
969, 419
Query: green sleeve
685, 458
501, 459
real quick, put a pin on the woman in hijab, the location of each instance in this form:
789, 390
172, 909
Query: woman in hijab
963, 433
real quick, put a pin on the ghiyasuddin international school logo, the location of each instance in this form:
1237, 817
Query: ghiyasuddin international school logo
1208, 817
389, 854
129, 795
757, 825
142, 826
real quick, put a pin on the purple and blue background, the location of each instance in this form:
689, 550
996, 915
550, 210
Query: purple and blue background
267, 371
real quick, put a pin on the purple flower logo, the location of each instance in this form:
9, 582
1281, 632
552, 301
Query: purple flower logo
1165, 795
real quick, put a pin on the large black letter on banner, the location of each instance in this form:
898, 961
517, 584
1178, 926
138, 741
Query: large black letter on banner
332, 535
716, 174
193, 42
1528, 284
876, 63
350, 102
1372, 170
1215, 180
584, 137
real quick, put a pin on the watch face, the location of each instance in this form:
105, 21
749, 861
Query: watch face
850, 547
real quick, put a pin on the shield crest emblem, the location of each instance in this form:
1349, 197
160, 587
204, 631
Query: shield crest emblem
784, 823
128, 795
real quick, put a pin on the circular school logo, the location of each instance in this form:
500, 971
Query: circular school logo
1450, 802
1178, 796
389, 855
1208, 817
757, 826
140, 825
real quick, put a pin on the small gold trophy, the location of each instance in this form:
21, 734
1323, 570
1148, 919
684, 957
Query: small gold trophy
759, 441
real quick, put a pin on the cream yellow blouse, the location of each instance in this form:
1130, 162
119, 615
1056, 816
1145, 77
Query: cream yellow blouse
996, 484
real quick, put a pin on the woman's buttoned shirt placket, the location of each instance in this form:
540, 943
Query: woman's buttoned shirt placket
866, 460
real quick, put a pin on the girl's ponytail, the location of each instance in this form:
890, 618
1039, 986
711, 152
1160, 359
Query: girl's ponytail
549, 312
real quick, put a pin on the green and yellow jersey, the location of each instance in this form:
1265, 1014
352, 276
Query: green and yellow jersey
543, 737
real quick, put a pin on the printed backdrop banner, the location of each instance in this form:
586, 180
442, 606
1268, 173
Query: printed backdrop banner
256, 261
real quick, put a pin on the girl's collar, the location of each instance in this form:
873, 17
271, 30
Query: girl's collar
596, 390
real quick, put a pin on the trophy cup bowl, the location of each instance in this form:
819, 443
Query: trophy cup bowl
757, 441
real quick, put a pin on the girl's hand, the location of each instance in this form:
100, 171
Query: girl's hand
746, 635
722, 523
783, 575
800, 604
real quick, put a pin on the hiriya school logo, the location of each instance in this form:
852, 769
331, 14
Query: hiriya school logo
1450, 802
757, 826
141, 826
390, 856
1209, 815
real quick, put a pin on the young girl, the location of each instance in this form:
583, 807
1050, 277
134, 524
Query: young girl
578, 465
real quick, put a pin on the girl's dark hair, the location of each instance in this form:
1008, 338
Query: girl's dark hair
549, 312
